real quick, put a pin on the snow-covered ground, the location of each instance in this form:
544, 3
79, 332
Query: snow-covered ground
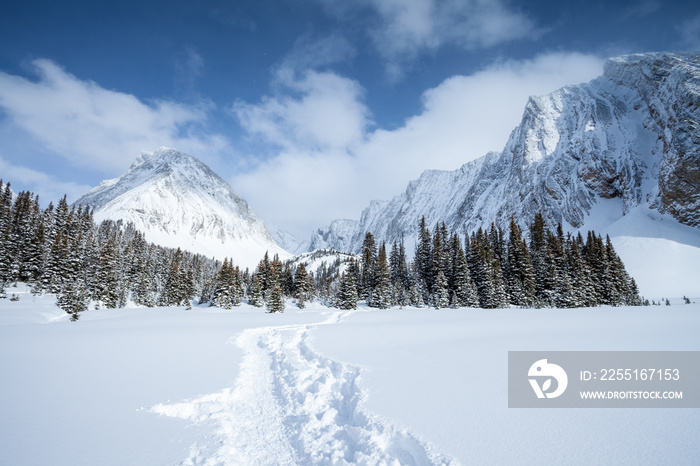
661, 254
319, 386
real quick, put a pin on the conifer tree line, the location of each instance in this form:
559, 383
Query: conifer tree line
489, 269
61, 250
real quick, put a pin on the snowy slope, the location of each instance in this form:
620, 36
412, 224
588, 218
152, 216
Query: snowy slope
287, 240
626, 141
177, 201
399, 386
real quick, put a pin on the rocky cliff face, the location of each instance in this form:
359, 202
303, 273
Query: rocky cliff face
631, 135
669, 85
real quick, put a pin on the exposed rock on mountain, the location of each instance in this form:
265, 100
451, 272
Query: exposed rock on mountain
631, 136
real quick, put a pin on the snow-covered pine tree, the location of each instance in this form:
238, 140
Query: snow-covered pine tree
256, 297
236, 287
415, 295
347, 292
382, 292
287, 281
301, 283
594, 254
107, 284
500, 297
222, 287
422, 261
465, 293
441, 293
368, 258
583, 290
619, 278
275, 300
520, 280
480, 268
73, 298
439, 257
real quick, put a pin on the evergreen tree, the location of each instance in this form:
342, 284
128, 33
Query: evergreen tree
480, 268
73, 299
367, 267
415, 295
382, 292
441, 296
107, 288
464, 289
275, 301
583, 290
347, 292
301, 282
520, 280
257, 297
222, 287
423, 258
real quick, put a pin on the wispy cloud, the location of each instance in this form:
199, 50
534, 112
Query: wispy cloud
99, 128
689, 31
46, 186
310, 52
642, 8
330, 165
189, 66
403, 30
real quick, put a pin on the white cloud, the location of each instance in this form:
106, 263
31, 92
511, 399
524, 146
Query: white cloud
317, 111
406, 29
316, 178
46, 186
98, 128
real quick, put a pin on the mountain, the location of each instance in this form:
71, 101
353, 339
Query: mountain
584, 155
177, 201
287, 240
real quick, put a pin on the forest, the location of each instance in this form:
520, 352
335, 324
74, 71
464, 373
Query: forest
61, 250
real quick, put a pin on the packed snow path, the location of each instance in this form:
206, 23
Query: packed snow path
290, 405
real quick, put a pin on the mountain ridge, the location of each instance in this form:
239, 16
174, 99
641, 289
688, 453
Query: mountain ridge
630, 134
178, 201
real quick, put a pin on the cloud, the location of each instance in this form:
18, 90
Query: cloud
189, 66
642, 8
315, 177
310, 53
403, 30
46, 186
98, 128
690, 33
317, 111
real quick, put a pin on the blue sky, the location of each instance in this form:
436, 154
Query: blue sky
309, 108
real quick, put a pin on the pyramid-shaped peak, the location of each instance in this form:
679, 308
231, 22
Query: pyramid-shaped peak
164, 157
178, 201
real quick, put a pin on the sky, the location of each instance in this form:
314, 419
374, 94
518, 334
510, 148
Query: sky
308, 108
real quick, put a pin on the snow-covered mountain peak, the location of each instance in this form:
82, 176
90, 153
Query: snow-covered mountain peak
178, 201
627, 141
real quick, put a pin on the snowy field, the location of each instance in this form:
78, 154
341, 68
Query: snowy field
143, 386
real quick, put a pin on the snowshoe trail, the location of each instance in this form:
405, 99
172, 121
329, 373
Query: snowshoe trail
291, 405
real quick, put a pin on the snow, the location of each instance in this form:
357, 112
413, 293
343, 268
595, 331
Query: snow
177, 201
319, 386
661, 254
600, 156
